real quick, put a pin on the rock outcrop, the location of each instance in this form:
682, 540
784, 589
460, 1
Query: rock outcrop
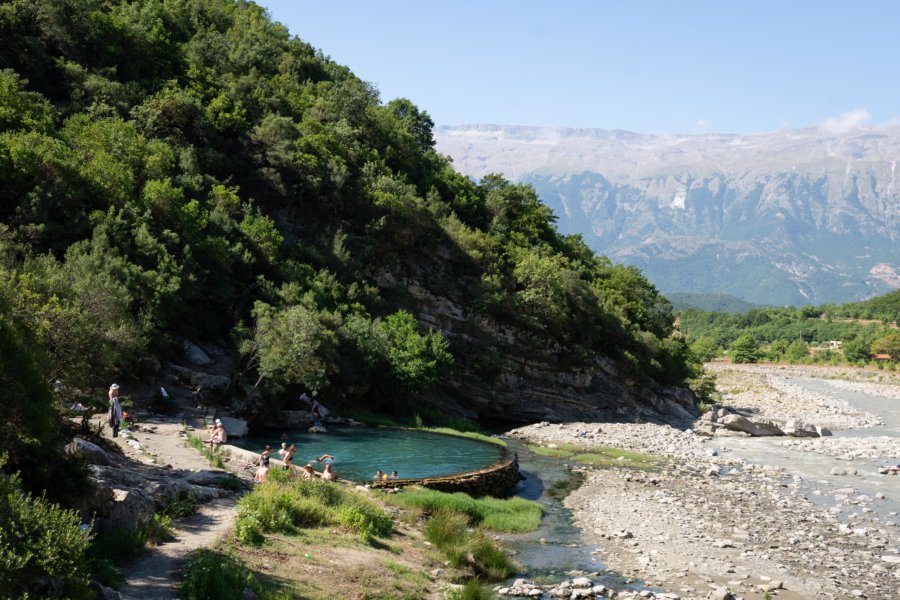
529, 384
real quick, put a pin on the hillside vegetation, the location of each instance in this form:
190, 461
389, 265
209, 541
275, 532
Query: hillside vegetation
177, 169
849, 333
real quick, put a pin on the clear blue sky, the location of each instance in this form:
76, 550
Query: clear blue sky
649, 66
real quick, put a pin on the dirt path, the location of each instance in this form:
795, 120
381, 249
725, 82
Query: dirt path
163, 444
157, 574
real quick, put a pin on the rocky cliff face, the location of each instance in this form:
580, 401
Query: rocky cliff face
524, 383
790, 217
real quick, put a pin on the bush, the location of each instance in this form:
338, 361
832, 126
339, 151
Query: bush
211, 574
42, 547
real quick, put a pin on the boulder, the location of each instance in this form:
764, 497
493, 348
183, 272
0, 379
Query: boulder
235, 428
101, 592
755, 427
130, 509
797, 428
195, 354
211, 479
199, 381
822, 431
90, 452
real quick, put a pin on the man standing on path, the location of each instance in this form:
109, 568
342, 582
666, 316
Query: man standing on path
115, 409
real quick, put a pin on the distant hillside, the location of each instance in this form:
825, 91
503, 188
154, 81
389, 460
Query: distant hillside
850, 333
884, 308
709, 302
790, 217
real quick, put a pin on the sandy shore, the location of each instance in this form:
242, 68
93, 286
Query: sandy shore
709, 524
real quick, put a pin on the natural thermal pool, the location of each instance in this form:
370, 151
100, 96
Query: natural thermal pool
359, 451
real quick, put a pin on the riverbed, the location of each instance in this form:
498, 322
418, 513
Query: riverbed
794, 518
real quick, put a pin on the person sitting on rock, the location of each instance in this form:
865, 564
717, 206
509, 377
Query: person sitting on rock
328, 474
308, 472
262, 473
219, 435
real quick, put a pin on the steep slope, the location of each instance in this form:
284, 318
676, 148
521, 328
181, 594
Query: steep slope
789, 217
174, 170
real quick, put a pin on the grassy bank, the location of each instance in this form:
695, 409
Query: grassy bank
600, 456
293, 535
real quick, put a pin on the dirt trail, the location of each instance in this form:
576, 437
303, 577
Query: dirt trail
157, 574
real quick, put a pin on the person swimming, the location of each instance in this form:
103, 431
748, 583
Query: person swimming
324, 458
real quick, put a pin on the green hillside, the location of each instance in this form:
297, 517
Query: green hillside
176, 169
709, 302
849, 333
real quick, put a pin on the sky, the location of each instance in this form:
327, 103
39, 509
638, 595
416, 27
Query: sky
676, 66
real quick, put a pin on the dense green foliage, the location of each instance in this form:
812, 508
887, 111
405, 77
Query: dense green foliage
42, 548
176, 168
797, 334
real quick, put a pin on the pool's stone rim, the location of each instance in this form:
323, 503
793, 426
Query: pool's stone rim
498, 479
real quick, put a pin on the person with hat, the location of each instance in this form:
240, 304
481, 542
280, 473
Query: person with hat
219, 435
115, 409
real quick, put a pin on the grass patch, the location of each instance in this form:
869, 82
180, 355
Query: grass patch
449, 532
473, 590
600, 456
512, 515
213, 456
472, 435
211, 574
285, 505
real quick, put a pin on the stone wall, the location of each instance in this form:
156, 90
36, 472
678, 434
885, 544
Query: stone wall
499, 479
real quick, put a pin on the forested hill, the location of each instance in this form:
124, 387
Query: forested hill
177, 169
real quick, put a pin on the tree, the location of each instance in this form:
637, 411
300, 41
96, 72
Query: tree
416, 360
889, 344
745, 349
797, 351
705, 349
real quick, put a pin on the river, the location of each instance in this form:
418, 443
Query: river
809, 474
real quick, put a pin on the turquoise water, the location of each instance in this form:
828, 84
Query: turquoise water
359, 451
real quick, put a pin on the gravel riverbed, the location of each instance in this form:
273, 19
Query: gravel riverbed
709, 524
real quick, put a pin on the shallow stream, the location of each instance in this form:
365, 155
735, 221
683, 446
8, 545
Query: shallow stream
557, 547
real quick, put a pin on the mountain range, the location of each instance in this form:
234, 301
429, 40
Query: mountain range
791, 217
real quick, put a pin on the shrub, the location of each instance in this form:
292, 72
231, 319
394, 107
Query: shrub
42, 546
211, 574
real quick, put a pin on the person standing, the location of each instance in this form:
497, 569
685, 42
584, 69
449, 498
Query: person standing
115, 409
